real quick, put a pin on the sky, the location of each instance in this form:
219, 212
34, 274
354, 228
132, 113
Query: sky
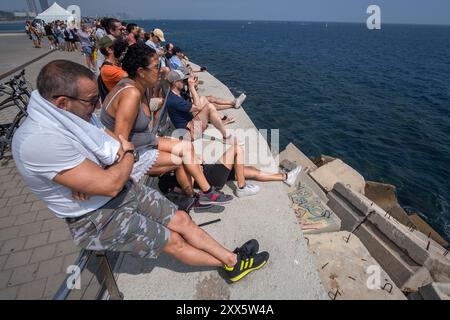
392, 11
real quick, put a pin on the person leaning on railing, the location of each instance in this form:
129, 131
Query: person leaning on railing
69, 161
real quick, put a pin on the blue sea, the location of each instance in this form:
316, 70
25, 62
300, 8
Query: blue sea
379, 100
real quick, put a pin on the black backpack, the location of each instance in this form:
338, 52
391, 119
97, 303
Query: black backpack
102, 89
167, 183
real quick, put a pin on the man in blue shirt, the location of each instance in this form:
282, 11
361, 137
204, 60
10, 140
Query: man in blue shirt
175, 62
192, 116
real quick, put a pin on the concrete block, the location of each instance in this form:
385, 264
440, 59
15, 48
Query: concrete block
398, 265
382, 194
338, 171
345, 267
385, 196
314, 216
322, 160
408, 248
425, 228
306, 180
293, 154
436, 291
420, 278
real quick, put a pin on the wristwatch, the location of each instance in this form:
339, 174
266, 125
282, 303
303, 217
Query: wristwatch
134, 153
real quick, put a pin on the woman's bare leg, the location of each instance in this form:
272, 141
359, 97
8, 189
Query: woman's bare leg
221, 104
185, 181
252, 173
234, 157
168, 162
210, 114
185, 151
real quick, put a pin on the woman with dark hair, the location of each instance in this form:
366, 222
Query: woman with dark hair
127, 111
111, 72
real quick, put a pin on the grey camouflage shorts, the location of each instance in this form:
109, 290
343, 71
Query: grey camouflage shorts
135, 222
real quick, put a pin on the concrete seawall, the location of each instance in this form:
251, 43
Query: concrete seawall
291, 272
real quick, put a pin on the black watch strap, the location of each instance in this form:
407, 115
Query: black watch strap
134, 154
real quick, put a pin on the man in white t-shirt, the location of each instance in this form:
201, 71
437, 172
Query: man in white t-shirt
103, 209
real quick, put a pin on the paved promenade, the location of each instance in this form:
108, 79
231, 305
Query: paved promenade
35, 246
16, 49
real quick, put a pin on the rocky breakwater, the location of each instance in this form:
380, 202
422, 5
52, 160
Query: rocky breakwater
366, 246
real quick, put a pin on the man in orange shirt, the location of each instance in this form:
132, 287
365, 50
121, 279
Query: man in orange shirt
111, 72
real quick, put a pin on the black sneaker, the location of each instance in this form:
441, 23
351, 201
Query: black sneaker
214, 197
249, 248
245, 265
210, 208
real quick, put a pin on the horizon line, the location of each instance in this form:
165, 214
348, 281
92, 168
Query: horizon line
305, 21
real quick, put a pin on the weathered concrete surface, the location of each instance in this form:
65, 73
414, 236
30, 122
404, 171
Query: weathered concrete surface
291, 272
401, 251
293, 155
385, 196
322, 160
313, 214
338, 171
346, 267
436, 291
425, 228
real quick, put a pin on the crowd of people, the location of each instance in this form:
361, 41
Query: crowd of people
86, 168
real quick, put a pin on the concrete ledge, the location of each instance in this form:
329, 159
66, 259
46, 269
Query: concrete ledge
344, 266
436, 291
338, 171
406, 246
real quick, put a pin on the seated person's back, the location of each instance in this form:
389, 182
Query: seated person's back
179, 110
111, 75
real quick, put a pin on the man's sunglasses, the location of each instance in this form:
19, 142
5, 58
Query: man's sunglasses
93, 102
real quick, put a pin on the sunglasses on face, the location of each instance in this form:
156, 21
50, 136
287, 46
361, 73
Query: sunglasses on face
93, 102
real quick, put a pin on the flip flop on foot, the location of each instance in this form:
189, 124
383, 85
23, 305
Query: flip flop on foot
239, 101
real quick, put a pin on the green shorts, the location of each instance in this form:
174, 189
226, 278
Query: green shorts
135, 222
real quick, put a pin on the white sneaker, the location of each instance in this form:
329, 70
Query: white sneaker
249, 190
292, 176
240, 101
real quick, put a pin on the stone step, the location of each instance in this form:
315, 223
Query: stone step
349, 268
401, 251
397, 264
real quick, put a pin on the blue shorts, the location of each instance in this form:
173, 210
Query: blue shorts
33, 37
87, 51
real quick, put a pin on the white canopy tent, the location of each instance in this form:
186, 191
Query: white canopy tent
55, 12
